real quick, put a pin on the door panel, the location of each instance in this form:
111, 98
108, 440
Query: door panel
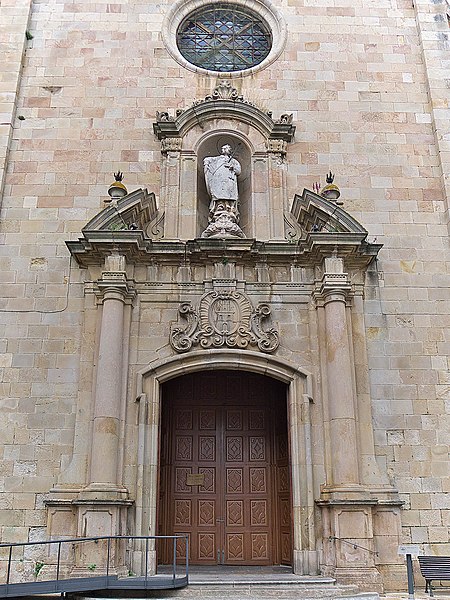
224, 470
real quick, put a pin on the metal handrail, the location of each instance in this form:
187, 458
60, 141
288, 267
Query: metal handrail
96, 539
333, 538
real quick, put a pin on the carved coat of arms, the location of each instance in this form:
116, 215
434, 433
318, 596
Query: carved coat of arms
224, 318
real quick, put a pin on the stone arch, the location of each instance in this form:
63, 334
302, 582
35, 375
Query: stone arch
299, 397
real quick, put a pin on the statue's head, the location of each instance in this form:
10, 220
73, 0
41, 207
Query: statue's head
226, 149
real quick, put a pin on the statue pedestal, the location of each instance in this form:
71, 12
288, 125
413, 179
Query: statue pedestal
224, 221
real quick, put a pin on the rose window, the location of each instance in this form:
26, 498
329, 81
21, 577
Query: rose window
224, 38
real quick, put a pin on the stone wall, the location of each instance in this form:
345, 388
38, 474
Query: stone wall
366, 83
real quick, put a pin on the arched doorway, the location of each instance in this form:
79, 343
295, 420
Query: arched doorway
224, 468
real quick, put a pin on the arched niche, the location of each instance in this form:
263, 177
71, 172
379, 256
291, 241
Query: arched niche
211, 146
191, 134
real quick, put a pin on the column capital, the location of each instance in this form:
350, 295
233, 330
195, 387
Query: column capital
334, 287
114, 286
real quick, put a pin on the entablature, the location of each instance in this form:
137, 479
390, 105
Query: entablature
95, 246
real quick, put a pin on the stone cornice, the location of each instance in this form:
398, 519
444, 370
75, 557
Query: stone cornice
317, 228
79, 502
95, 246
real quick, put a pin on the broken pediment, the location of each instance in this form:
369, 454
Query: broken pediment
311, 213
135, 211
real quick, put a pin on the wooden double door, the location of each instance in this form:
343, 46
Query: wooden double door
224, 469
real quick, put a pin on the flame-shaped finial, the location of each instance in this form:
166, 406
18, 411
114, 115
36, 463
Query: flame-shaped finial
117, 189
330, 191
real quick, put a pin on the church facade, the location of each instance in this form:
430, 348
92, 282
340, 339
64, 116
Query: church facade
243, 338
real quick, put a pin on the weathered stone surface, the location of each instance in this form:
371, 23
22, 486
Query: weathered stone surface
367, 86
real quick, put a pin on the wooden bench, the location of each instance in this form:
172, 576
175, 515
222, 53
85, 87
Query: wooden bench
434, 567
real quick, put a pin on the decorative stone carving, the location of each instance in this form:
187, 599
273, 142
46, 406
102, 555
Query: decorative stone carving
225, 101
224, 318
292, 230
164, 116
276, 146
171, 144
285, 119
224, 221
155, 229
224, 91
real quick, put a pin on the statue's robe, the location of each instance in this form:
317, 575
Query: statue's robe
221, 178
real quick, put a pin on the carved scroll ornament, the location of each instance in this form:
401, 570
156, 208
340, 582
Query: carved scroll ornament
224, 319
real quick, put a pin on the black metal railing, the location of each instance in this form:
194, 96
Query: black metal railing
105, 581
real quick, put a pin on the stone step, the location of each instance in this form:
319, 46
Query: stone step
246, 590
218, 595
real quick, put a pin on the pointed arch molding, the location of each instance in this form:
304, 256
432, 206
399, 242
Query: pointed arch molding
224, 102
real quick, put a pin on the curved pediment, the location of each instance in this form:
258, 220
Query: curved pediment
136, 210
225, 102
314, 214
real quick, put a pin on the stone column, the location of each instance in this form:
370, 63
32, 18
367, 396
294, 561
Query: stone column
260, 223
188, 206
277, 187
339, 381
344, 466
348, 551
170, 188
102, 505
113, 291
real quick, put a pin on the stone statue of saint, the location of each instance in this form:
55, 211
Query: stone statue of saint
221, 173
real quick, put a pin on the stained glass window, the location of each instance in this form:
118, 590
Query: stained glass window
224, 37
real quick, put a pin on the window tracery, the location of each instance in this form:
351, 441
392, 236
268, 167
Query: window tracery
224, 38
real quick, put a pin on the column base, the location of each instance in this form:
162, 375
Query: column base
343, 493
141, 564
306, 562
103, 492
348, 543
